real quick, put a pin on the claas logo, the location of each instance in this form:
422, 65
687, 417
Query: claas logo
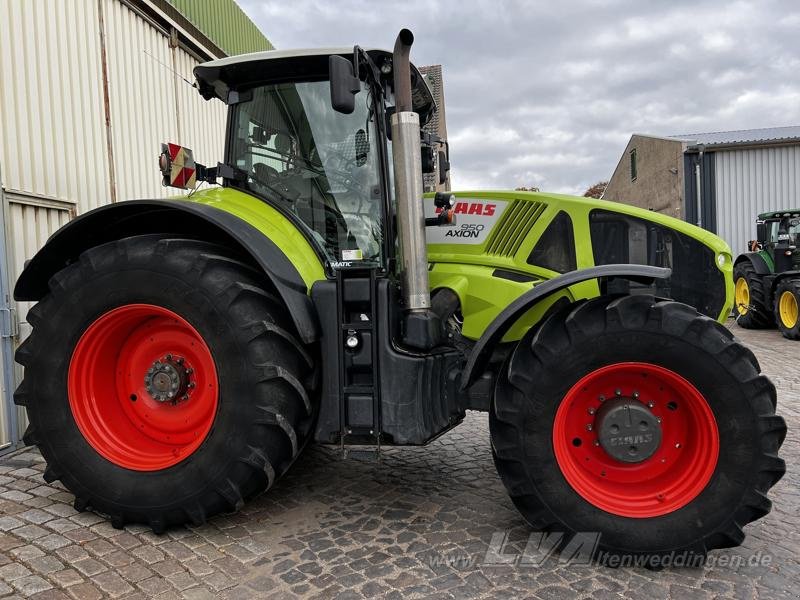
471, 208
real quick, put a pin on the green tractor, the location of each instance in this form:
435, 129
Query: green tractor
767, 279
184, 351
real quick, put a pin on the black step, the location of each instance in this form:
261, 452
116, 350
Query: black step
363, 454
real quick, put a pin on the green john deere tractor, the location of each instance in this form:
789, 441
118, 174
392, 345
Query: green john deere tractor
767, 279
184, 351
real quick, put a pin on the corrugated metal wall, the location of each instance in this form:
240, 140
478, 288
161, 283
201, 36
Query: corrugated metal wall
749, 182
51, 103
53, 146
151, 103
202, 123
27, 230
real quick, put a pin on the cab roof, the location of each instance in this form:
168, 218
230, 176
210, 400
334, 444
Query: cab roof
217, 78
780, 214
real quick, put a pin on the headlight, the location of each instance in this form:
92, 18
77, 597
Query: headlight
723, 259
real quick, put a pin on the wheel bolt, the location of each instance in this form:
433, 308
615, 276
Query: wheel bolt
651, 404
591, 410
602, 398
635, 395
588, 427
618, 392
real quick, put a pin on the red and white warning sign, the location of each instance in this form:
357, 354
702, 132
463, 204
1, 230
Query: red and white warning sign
178, 166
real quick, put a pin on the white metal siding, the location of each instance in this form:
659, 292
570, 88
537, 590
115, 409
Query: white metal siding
142, 97
29, 228
202, 123
51, 104
749, 182
144, 82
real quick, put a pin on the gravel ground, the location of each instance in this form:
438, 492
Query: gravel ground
417, 524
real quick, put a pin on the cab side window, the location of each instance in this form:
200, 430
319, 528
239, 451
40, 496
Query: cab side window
555, 250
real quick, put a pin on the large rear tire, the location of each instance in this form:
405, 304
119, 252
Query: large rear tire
163, 381
787, 308
750, 299
701, 475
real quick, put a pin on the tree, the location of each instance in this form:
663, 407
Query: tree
596, 190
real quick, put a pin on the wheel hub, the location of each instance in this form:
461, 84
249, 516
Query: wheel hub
604, 451
628, 430
167, 379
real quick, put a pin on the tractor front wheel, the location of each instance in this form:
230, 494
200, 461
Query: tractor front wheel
750, 299
640, 420
787, 308
163, 382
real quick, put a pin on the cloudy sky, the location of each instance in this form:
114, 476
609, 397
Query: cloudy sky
546, 93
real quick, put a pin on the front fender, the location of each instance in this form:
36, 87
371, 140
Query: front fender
482, 351
757, 260
191, 219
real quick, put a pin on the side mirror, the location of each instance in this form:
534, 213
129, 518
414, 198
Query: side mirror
444, 167
344, 84
428, 159
761, 232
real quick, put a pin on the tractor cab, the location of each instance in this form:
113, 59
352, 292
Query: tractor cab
310, 129
779, 237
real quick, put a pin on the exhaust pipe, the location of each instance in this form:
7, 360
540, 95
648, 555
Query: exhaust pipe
408, 183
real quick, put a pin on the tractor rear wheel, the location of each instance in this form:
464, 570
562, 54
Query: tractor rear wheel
750, 298
787, 308
641, 420
163, 381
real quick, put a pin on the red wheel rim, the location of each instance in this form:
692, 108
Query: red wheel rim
130, 416
677, 471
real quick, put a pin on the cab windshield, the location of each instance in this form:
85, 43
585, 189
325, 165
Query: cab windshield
320, 165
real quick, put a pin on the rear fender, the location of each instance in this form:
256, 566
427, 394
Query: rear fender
189, 219
482, 351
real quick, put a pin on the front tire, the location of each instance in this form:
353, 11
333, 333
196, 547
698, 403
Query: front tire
685, 376
750, 298
163, 381
787, 311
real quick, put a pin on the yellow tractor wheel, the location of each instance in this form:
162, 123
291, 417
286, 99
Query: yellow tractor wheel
787, 308
752, 309
742, 296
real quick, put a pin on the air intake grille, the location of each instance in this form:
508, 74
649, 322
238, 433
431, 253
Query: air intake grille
506, 239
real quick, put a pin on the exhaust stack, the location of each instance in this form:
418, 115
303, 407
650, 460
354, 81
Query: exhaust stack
408, 181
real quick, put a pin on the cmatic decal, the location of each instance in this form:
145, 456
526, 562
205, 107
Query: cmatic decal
475, 218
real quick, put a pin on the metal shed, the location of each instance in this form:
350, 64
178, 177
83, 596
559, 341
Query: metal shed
741, 174
719, 180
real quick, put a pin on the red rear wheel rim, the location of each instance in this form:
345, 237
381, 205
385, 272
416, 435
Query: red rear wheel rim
135, 422
678, 470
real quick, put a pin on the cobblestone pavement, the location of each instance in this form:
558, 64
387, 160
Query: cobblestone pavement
416, 525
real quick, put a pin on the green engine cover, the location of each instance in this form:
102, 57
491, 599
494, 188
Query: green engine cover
504, 243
